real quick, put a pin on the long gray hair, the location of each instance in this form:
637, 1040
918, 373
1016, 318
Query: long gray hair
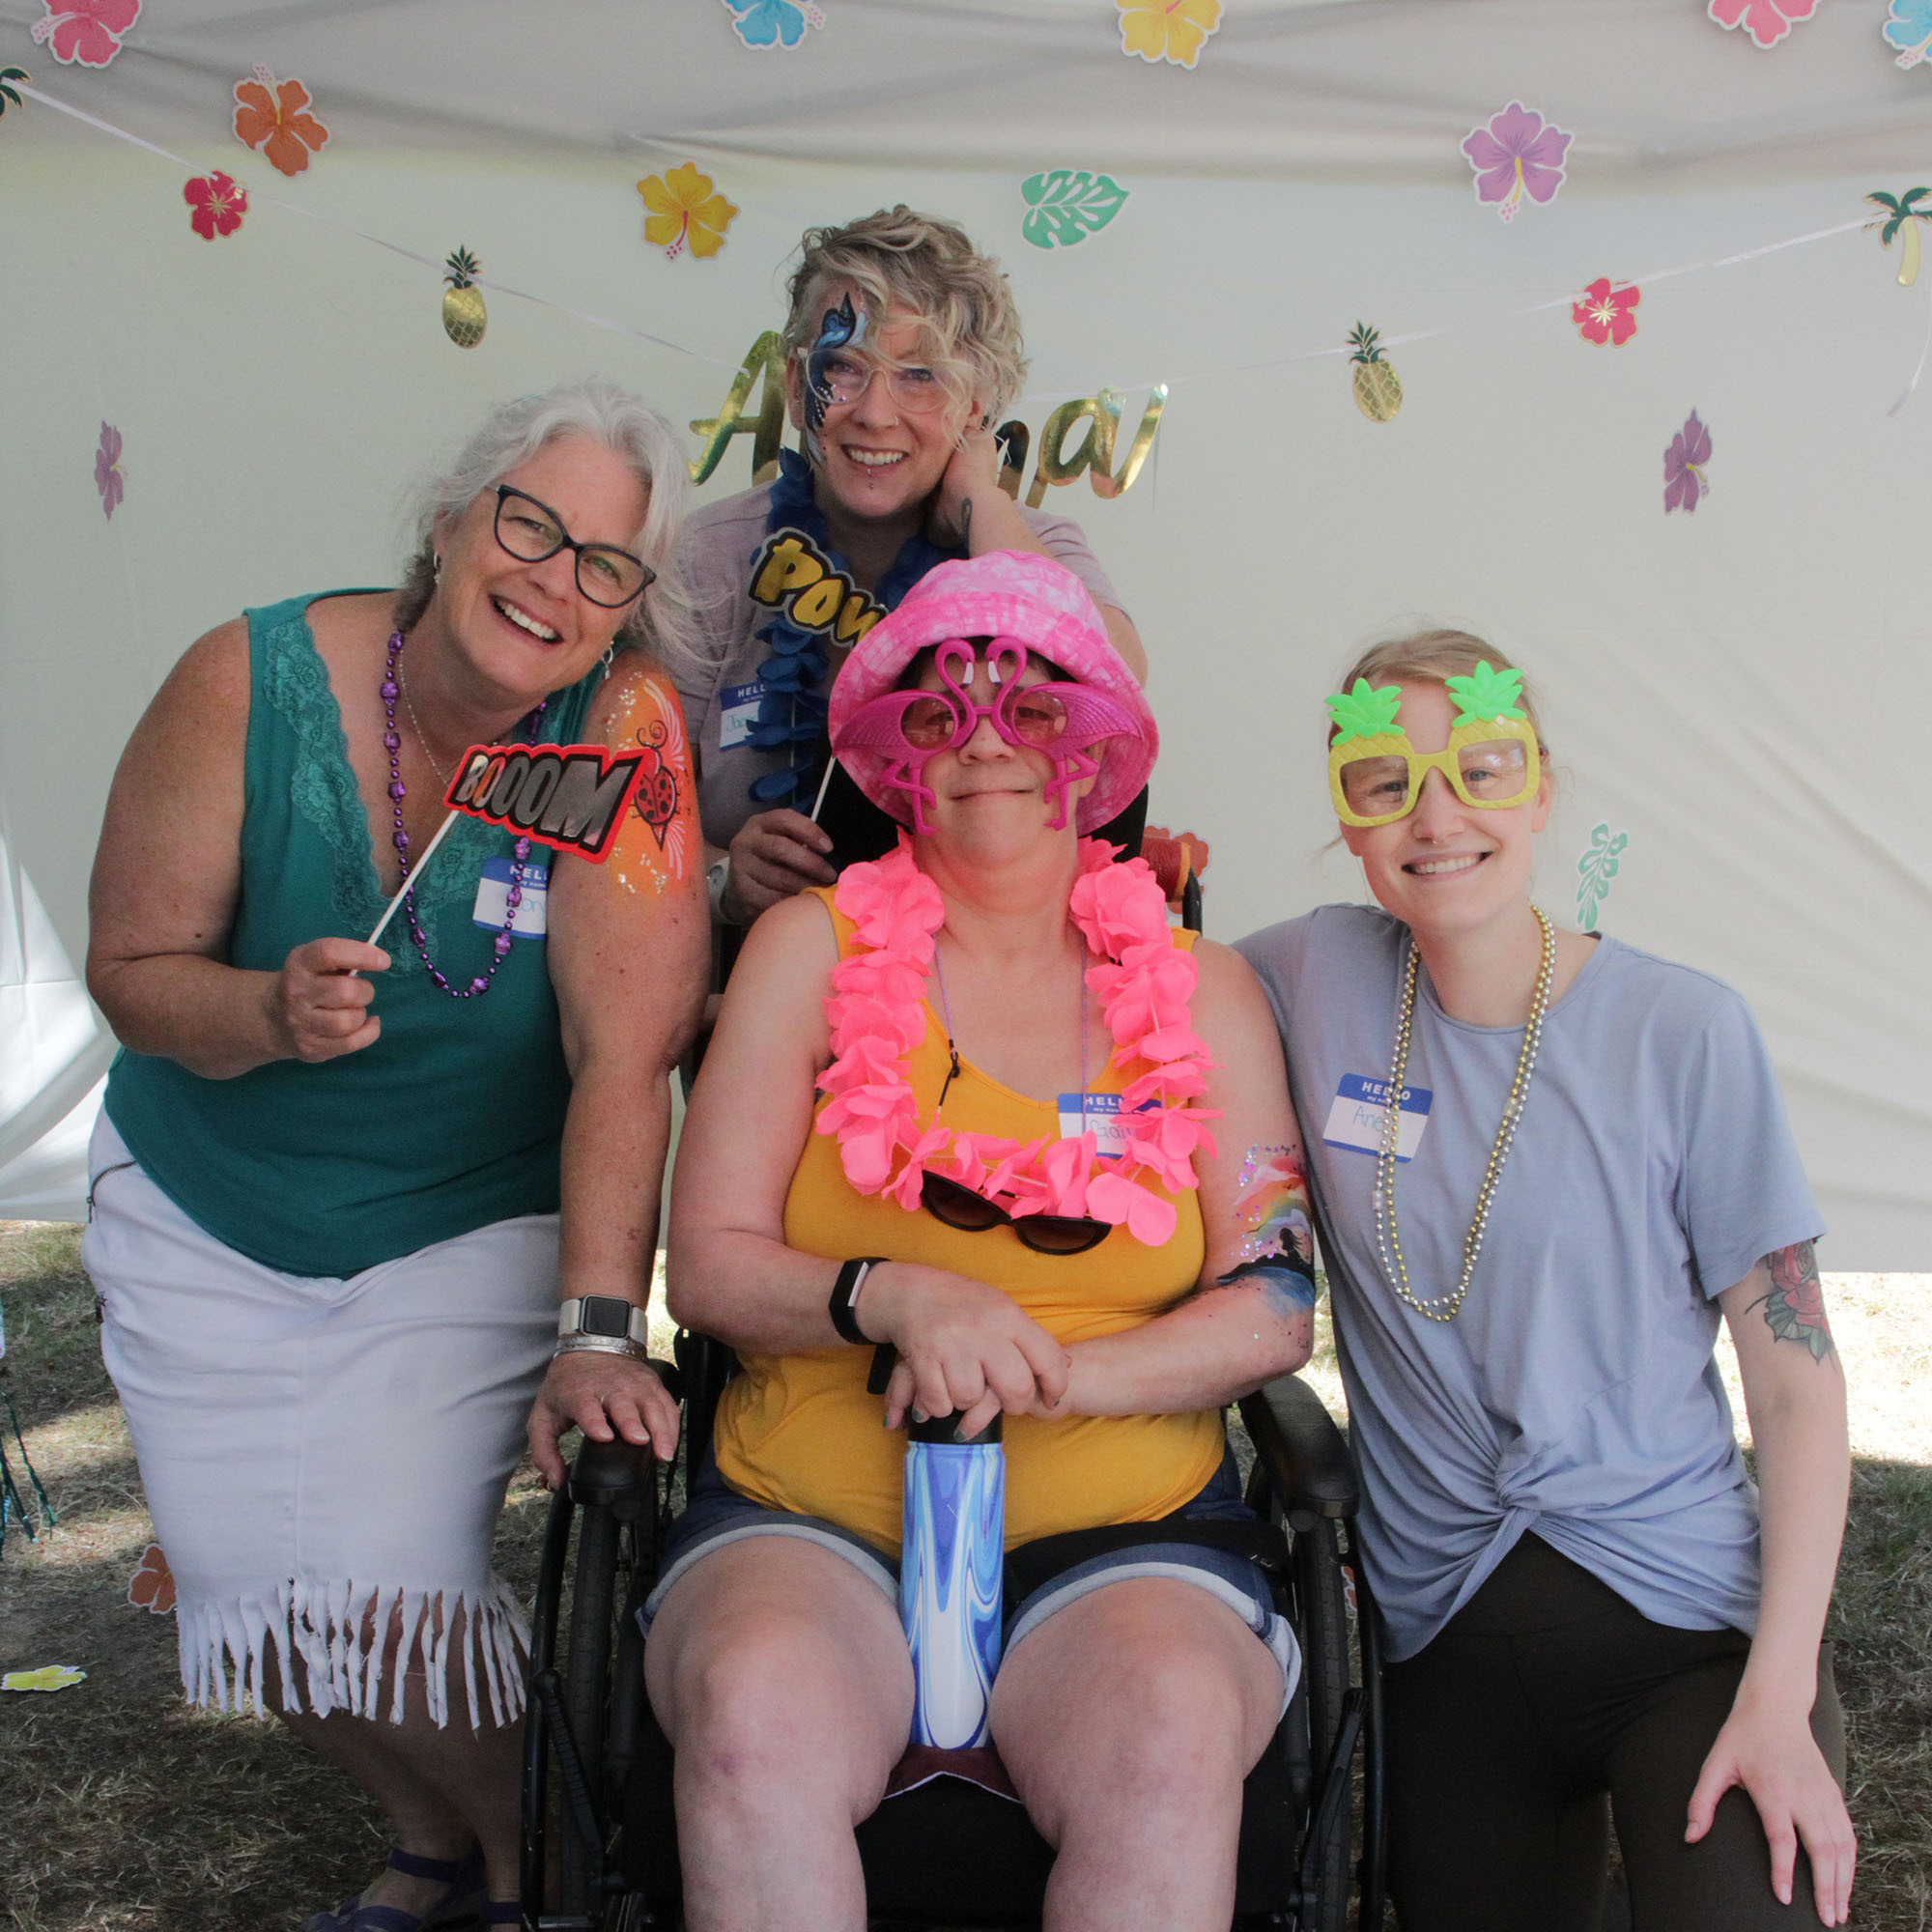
661, 620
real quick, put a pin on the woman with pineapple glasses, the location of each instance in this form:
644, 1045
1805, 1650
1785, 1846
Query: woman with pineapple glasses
1549, 1164
902, 347
338, 1188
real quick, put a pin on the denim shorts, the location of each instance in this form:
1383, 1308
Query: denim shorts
716, 1514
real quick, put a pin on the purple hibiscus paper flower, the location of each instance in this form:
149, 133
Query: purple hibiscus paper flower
1519, 152
109, 478
1683, 478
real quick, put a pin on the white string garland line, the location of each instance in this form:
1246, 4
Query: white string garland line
380, 242
1566, 300
1041, 396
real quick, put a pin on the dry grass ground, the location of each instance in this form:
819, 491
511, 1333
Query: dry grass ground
126, 1813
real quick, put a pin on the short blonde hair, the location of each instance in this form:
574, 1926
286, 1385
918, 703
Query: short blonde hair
1430, 657
898, 259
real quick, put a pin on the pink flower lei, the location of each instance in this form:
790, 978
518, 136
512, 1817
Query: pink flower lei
877, 1016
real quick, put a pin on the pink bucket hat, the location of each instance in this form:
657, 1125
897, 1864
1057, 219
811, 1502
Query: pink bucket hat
1013, 595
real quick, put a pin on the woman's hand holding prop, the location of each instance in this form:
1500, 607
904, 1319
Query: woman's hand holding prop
317, 1007
775, 856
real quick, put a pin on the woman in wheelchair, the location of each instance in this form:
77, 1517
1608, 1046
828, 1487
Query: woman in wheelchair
986, 1065
1587, 1164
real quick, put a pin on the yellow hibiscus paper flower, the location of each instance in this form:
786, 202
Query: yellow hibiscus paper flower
683, 209
48, 1677
1169, 30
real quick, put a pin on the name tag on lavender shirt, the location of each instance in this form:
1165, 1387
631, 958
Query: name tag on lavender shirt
1360, 1108
737, 713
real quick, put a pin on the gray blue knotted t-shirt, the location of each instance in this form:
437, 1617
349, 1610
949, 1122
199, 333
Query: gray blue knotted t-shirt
1574, 1394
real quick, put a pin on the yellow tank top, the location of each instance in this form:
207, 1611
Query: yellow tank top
800, 1432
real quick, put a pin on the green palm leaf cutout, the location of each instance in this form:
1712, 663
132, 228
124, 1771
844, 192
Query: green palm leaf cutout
1595, 870
1903, 208
1486, 694
8, 76
1364, 712
1066, 205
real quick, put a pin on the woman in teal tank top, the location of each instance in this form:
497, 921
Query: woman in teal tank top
340, 1187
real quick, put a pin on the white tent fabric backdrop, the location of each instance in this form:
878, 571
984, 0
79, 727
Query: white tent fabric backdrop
1740, 692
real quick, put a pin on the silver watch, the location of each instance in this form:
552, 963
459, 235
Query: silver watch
605, 1322
716, 878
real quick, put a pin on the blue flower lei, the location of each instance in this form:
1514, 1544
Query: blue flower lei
793, 709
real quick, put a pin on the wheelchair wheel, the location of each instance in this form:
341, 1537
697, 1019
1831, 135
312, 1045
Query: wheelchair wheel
606, 1557
1315, 1565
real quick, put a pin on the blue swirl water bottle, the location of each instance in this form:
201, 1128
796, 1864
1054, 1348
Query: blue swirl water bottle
952, 1555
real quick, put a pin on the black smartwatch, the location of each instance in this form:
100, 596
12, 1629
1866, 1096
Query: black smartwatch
845, 1291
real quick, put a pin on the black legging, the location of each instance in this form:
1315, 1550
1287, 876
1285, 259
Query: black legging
1545, 1704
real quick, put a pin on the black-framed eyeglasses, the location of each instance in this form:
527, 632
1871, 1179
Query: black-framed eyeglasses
530, 531
957, 1205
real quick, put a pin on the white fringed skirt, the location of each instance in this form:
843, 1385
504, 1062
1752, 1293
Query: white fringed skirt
325, 1457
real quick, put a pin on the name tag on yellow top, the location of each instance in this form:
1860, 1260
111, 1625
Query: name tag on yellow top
1101, 1119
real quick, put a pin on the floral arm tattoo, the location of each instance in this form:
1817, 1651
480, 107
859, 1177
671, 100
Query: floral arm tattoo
1794, 1310
1277, 1237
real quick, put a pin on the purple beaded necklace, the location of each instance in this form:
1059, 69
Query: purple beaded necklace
398, 791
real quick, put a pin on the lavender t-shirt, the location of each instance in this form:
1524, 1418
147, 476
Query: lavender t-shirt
1574, 1394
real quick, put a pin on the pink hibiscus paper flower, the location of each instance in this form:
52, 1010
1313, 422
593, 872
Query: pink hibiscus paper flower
86, 30
1683, 478
1606, 313
219, 202
1766, 21
1519, 152
109, 478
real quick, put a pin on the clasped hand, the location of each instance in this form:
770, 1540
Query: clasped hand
963, 1345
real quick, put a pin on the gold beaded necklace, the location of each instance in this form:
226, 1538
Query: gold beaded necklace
1445, 1307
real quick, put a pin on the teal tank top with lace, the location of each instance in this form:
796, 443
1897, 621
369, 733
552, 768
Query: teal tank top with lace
452, 1119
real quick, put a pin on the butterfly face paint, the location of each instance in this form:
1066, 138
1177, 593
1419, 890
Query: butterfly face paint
1060, 719
1492, 759
840, 333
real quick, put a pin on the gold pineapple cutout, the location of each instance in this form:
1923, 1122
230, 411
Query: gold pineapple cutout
464, 315
1377, 387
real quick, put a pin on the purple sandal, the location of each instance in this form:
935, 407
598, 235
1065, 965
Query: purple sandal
459, 1904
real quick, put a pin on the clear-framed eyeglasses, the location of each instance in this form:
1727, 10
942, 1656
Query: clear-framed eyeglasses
844, 375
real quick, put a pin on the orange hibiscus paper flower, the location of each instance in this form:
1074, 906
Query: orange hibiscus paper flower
152, 1586
683, 209
272, 116
1168, 30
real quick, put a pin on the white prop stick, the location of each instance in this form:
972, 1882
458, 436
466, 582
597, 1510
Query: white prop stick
822, 784
414, 878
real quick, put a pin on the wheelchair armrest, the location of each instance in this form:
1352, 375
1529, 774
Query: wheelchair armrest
1297, 1443
618, 1473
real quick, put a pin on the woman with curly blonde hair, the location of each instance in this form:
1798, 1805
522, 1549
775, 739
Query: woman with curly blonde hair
902, 347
